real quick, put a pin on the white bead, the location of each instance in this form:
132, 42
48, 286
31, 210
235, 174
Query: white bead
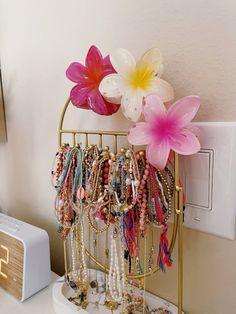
126, 209
128, 181
136, 183
100, 199
94, 163
127, 154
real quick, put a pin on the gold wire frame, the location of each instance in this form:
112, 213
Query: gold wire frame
178, 205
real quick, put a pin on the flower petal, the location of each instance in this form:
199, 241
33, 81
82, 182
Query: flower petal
78, 96
153, 106
162, 88
76, 72
107, 61
152, 60
184, 109
132, 104
161, 70
111, 88
107, 66
195, 130
139, 134
99, 105
157, 155
122, 61
186, 143
94, 59
111, 108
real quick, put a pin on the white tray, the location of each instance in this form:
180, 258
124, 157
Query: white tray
61, 293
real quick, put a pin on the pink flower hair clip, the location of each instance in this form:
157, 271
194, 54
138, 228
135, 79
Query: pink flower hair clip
165, 130
85, 94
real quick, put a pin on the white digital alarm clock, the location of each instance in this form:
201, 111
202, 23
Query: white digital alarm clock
24, 258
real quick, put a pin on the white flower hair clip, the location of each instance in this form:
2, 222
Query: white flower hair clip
135, 80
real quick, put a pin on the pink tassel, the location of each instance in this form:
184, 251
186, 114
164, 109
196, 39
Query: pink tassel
164, 256
130, 232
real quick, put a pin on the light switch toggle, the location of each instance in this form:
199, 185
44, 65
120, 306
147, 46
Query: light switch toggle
198, 172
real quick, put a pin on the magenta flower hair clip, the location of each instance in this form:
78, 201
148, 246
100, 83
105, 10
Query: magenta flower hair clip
85, 94
165, 130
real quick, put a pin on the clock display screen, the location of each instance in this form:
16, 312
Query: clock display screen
4, 261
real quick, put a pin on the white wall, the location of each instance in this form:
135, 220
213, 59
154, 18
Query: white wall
38, 39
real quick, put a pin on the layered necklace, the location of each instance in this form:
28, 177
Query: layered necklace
118, 195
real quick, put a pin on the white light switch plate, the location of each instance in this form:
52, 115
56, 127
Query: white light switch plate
209, 179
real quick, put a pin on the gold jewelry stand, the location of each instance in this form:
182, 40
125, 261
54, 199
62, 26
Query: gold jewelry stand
178, 205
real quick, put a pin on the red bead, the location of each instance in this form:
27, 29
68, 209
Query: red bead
105, 175
106, 170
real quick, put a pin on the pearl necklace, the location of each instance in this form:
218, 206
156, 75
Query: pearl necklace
116, 278
73, 256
